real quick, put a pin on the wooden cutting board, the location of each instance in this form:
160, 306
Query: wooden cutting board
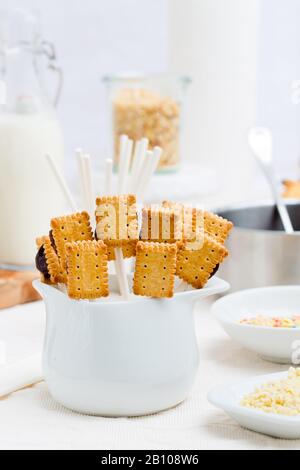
16, 288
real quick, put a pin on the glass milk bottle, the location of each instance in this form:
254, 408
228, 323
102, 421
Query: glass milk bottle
29, 129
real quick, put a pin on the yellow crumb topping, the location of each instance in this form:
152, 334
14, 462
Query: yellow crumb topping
279, 397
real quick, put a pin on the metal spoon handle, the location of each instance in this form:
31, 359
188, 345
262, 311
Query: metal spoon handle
281, 207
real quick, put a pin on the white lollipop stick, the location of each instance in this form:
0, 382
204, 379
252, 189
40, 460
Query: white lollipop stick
124, 168
139, 165
150, 165
89, 187
84, 199
135, 163
61, 181
108, 176
122, 160
122, 273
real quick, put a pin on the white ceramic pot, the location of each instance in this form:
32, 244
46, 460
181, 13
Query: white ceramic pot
116, 358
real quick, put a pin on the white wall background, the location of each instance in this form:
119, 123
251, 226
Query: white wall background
216, 42
97, 37
278, 68
94, 38
244, 56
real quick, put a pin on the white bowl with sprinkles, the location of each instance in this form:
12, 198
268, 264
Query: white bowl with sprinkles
264, 320
268, 404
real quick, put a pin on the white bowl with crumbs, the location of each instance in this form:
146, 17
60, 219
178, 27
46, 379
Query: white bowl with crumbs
253, 392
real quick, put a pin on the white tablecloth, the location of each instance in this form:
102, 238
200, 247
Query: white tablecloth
32, 419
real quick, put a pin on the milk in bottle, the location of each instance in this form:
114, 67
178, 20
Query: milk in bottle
29, 194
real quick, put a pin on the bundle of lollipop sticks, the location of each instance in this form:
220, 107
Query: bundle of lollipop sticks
136, 167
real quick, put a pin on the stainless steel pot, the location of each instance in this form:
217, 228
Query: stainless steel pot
261, 254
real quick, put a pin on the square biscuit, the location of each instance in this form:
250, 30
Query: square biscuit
116, 219
197, 266
70, 228
197, 221
155, 269
172, 205
192, 221
56, 273
216, 226
128, 250
39, 241
291, 189
87, 273
161, 224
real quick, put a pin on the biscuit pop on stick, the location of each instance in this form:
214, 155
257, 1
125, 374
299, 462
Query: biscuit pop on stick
124, 162
47, 261
108, 191
117, 252
155, 269
197, 266
128, 249
87, 276
69, 228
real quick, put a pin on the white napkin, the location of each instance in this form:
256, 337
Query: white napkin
21, 374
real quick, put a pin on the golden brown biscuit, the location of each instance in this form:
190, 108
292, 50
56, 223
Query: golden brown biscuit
172, 205
155, 269
204, 222
39, 241
217, 227
55, 271
70, 228
87, 274
196, 266
161, 224
291, 189
128, 249
116, 218
197, 221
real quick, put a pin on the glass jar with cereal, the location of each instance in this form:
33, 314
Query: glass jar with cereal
151, 107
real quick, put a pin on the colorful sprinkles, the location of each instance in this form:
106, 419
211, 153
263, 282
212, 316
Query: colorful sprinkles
274, 322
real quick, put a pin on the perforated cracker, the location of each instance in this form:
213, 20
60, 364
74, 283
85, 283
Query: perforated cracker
116, 218
128, 250
70, 228
192, 221
291, 189
39, 241
196, 220
172, 205
56, 273
155, 269
87, 273
216, 226
197, 266
161, 224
